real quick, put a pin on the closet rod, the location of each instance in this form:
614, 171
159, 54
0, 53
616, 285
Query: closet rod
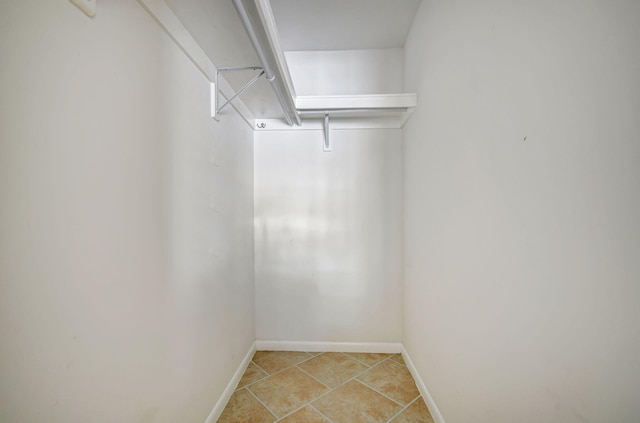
265, 47
238, 68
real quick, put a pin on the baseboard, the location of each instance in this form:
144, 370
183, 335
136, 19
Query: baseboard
371, 347
428, 399
228, 391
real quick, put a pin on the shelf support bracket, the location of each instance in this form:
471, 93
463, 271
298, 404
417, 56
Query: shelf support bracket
215, 88
326, 146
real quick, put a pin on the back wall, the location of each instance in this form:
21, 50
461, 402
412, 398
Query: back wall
328, 236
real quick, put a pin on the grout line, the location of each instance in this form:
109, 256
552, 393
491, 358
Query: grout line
400, 364
370, 365
356, 360
294, 411
330, 390
278, 372
403, 409
263, 404
412, 379
353, 378
282, 370
308, 403
255, 381
315, 378
381, 393
404, 363
310, 358
261, 368
321, 413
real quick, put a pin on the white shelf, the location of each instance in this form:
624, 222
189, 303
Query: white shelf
370, 101
357, 111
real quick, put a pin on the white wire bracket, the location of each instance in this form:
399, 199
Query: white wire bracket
326, 145
215, 88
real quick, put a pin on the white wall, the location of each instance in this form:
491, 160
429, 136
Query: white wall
522, 256
112, 307
328, 236
346, 72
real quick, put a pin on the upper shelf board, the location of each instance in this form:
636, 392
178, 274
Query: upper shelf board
369, 101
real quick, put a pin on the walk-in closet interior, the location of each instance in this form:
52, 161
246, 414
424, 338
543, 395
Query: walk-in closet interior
198, 197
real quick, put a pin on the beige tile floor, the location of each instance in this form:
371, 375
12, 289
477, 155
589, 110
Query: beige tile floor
294, 387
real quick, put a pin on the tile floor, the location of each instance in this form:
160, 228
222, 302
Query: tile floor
294, 387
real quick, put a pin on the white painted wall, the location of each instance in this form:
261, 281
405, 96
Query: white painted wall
112, 307
346, 72
328, 236
522, 256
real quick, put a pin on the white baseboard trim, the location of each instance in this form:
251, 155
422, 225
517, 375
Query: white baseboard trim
428, 399
370, 347
311, 346
228, 391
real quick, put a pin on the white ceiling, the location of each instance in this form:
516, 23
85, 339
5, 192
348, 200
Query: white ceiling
343, 24
302, 25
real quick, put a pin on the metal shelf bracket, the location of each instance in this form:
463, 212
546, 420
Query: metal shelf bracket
216, 108
326, 146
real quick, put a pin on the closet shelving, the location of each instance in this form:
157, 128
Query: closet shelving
300, 112
370, 105
259, 22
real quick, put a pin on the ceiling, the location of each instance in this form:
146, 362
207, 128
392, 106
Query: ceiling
343, 24
302, 25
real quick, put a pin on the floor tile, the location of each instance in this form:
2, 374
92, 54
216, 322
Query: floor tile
243, 407
355, 403
332, 369
398, 359
252, 374
287, 390
393, 380
274, 361
305, 415
369, 359
415, 413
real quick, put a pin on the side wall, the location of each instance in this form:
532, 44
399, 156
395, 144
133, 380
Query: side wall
126, 252
522, 198
328, 236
